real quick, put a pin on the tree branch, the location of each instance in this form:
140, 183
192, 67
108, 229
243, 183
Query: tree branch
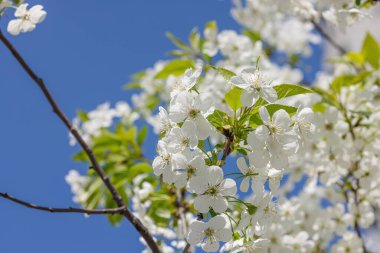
119, 210
329, 39
115, 194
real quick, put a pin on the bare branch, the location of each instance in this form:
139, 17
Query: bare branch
119, 210
329, 39
115, 194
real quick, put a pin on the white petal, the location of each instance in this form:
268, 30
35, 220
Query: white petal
281, 118
197, 226
215, 175
264, 114
14, 27
202, 203
21, 10
188, 128
210, 246
224, 234
217, 222
203, 128
37, 14
242, 165
228, 187
249, 71
194, 238
245, 184
248, 98
262, 133
27, 26
269, 94
239, 82
219, 204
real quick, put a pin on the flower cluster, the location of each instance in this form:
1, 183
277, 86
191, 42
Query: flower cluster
246, 156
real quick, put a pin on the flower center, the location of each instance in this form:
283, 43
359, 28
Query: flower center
191, 171
251, 171
26, 17
166, 158
213, 191
273, 129
210, 234
329, 126
186, 141
193, 113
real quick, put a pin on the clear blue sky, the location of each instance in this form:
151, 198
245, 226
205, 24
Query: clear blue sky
85, 50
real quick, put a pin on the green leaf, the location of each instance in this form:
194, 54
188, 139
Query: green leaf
272, 108
132, 85
227, 74
254, 36
347, 80
80, 157
288, 90
356, 58
319, 107
138, 169
233, 98
341, 81
175, 67
371, 51
219, 119
212, 25
255, 120
195, 39
82, 115
177, 42
142, 135
251, 208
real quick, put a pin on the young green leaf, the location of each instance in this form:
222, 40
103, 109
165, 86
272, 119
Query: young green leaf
371, 51
288, 90
175, 67
227, 74
233, 98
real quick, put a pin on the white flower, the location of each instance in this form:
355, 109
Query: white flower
165, 123
209, 234
254, 172
341, 219
26, 19
194, 166
185, 137
124, 111
254, 87
166, 163
303, 123
275, 177
187, 81
350, 243
274, 139
264, 213
298, 243
77, 183
258, 245
191, 106
212, 188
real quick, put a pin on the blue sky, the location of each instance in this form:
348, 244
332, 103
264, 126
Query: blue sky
85, 51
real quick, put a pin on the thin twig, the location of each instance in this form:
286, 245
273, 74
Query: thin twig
329, 39
115, 194
119, 210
